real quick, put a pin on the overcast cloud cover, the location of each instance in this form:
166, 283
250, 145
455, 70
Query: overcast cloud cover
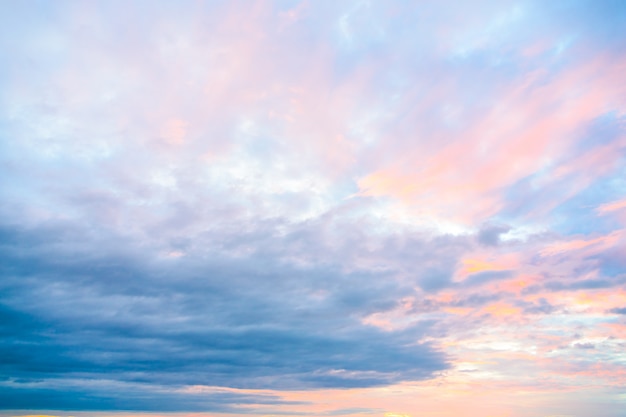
389, 208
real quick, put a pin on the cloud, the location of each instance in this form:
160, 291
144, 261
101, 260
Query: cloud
136, 319
313, 208
489, 234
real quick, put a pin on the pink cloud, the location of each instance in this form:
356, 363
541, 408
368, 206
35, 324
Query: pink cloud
611, 207
528, 130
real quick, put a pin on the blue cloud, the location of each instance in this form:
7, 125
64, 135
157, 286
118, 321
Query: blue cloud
70, 314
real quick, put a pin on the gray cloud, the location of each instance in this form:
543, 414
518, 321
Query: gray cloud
489, 233
253, 322
485, 277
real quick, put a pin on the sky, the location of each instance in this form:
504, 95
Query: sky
313, 208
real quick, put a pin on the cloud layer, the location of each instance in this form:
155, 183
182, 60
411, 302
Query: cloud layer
313, 207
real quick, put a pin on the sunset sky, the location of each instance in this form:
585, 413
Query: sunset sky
287, 208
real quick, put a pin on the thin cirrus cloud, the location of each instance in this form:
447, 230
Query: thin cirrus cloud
312, 208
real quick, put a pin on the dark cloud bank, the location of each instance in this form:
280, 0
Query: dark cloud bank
121, 328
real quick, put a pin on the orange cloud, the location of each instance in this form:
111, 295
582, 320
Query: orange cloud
502, 310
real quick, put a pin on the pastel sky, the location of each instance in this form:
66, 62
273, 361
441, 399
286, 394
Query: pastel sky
313, 208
